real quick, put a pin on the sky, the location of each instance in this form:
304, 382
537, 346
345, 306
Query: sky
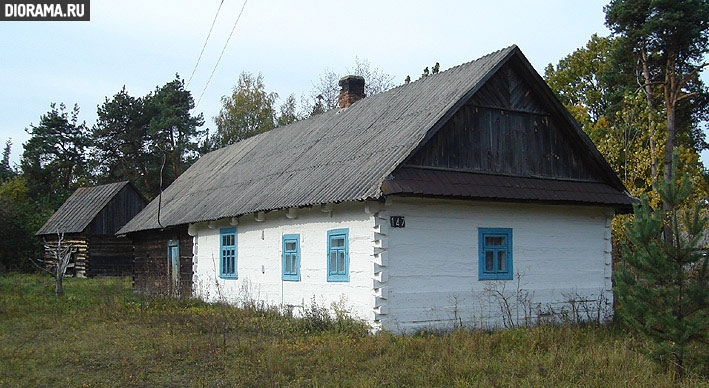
142, 44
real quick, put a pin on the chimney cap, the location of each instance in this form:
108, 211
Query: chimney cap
352, 89
349, 78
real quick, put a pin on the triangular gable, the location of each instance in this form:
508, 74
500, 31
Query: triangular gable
512, 124
84, 205
508, 89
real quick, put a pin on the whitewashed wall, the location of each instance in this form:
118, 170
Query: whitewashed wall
423, 276
431, 265
259, 247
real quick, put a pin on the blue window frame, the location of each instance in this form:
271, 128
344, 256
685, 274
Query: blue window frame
227, 253
495, 254
173, 259
338, 255
291, 257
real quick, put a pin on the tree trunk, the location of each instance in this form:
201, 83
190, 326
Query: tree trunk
650, 115
59, 290
679, 366
671, 107
670, 145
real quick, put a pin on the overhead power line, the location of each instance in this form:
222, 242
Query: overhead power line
205, 43
233, 28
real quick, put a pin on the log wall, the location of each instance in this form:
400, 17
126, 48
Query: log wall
151, 270
109, 256
77, 265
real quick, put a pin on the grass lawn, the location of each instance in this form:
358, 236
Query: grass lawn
102, 335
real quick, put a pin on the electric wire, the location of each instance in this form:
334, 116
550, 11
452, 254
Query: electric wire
205, 43
233, 28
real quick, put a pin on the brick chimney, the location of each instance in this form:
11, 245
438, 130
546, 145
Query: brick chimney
351, 90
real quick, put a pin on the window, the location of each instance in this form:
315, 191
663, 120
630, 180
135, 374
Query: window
291, 257
495, 254
227, 253
338, 260
173, 257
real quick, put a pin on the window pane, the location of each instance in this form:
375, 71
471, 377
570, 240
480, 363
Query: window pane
495, 241
333, 262
293, 262
489, 259
290, 246
337, 241
228, 240
341, 262
502, 261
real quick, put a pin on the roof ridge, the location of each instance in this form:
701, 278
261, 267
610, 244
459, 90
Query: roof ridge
330, 111
510, 48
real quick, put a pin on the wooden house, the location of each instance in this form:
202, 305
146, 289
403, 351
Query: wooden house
89, 220
418, 207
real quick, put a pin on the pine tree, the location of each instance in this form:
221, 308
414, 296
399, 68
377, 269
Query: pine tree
5, 169
661, 284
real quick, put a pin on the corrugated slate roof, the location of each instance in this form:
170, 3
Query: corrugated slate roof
340, 155
501, 187
77, 212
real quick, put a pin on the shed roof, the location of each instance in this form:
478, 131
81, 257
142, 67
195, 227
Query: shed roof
77, 212
340, 155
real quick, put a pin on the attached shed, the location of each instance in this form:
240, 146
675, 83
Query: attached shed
163, 261
89, 219
431, 205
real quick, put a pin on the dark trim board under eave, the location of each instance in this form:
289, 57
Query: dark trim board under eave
467, 185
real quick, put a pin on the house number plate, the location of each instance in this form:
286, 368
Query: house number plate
397, 221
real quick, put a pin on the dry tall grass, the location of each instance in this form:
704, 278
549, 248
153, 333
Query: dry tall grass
102, 335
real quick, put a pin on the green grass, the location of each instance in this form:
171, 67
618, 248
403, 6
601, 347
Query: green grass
102, 335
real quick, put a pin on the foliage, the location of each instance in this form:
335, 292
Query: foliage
53, 161
6, 171
251, 110
288, 112
662, 287
101, 334
435, 69
134, 136
670, 39
20, 218
592, 80
247, 112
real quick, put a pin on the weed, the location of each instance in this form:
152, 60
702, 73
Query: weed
101, 334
